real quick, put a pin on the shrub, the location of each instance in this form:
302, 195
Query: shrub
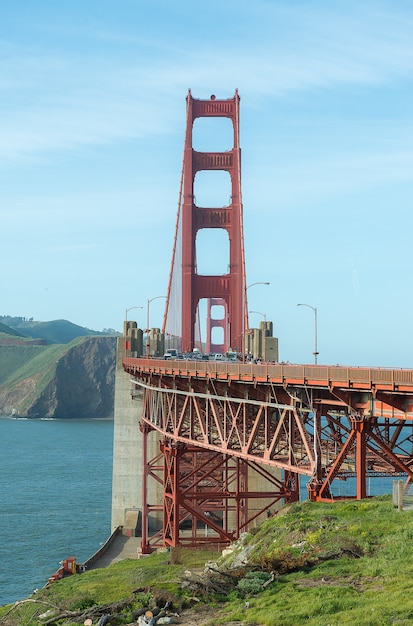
253, 582
82, 603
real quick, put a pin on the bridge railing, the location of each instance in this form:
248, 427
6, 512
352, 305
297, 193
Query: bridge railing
328, 375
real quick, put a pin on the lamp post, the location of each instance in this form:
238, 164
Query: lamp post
259, 313
147, 322
246, 316
252, 285
314, 308
130, 309
246, 289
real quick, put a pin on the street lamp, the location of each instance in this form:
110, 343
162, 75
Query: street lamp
246, 315
259, 313
259, 283
315, 330
147, 323
130, 309
246, 289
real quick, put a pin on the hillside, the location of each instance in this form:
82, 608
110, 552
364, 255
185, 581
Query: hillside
337, 564
73, 380
11, 337
7, 330
55, 331
56, 370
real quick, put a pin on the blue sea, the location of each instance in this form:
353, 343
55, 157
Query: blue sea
55, 497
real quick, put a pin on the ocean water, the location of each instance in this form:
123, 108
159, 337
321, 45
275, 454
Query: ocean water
55, 497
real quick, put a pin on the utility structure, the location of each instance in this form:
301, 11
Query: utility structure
227, 290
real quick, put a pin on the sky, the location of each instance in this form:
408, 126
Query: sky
92, 123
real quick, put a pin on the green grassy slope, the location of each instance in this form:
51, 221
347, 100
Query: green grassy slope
20, 362
7, 330
26, 370
335, 564
26, 367
56, 331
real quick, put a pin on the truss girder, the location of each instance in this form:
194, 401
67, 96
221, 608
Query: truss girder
263, 431
273, 424
206, 496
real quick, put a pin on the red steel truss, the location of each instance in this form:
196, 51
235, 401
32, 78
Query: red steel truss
206, 496
216, 421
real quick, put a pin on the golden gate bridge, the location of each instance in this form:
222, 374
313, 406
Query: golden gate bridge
234, 436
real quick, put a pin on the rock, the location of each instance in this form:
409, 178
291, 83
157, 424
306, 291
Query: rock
48, 613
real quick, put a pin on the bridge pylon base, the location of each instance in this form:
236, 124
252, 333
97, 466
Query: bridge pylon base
210, 498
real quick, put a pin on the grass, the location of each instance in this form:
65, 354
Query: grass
18, 363
30, 366
56, 331
335, 564
140, 580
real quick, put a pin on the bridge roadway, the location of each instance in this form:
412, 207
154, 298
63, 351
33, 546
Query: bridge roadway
247, 404
319, 376
326, 422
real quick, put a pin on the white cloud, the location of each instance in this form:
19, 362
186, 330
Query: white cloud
55, 99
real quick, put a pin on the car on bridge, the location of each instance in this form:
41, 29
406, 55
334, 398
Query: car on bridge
171, 353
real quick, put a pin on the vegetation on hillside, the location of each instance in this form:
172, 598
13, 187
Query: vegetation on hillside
56, 331
29, 361
28, 369
7, 330
317, 564
30, 352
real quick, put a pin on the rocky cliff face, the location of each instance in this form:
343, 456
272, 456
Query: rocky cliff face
81, 385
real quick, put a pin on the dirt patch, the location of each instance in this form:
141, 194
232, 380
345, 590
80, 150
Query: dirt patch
202, 616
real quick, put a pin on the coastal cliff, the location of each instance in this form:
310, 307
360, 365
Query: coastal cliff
74, 380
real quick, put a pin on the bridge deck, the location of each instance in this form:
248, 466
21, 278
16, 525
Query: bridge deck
310, 375
326, 422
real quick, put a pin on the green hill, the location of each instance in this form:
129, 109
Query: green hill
7, 330
56, 331
46, 369
26, 361
25, 371
62, 380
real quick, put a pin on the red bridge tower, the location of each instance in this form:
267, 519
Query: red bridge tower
228, 290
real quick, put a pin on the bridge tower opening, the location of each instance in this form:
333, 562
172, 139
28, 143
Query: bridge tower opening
212, 322
186, 286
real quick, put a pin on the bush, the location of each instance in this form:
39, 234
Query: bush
253, 582
82, 603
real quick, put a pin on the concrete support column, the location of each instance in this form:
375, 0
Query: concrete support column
128, 462
127, 449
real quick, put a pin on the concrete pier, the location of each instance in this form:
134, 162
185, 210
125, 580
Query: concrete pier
127, 450
127, 478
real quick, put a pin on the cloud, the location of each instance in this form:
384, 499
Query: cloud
59, 99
